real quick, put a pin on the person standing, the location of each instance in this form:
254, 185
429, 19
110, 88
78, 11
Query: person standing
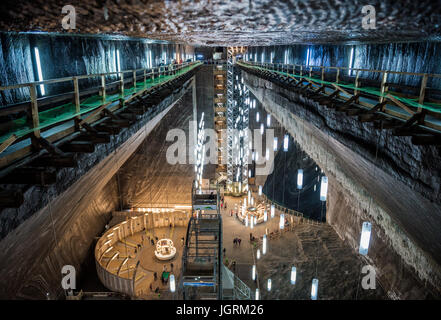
239, 240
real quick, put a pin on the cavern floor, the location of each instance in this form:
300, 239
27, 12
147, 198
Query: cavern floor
315, 250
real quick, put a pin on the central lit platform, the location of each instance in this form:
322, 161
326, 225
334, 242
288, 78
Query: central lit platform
165, 250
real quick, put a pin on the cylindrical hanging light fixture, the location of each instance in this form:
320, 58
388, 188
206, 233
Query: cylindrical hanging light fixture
293, 275
258, 254
299, 179
314, 289
257, 294
285, 143
268, 120
275, 143
172, 283
264, 244
365, 238
273, 211
324, 188
265, 215
269, 285
257, 116
282, 221
253, 272
260, 190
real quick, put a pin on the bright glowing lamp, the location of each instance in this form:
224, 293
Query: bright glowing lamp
268, 120
269, 285
323, 188
314, 289
293, 275
264, 244
299, 179
273, 210
265, 215
257, 294
253, 272
172, 283
282, 221
365, 238
260, 190
262, 128
258, 254
257, 116
285, 143
275, 143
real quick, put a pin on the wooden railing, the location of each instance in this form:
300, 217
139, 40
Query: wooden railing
414, 107
141, 81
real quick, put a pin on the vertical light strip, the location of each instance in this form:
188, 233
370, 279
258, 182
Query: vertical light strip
118, 63
351, 60
40, 74
307, 57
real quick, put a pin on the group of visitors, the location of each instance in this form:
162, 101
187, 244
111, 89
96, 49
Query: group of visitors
223, 204
237, 241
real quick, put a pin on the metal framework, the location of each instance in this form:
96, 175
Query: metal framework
201, 277
237, 126
220, 117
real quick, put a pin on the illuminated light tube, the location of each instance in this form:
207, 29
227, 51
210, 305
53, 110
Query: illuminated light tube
253, 272
257, 294
365, 238
258, 254
246, 221
172, 283
282, 221
299, 179
249, 173
268, 120
273, 210
265, 216
264, 244
293, 275
269, 285
324, 188
249, 195
40, 74
118, 61
275, 143
182, 207
252, 223
257, 116
260, 190
285, 143
314, 289
262, 128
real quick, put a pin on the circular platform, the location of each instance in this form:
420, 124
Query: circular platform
165, 249
256, 213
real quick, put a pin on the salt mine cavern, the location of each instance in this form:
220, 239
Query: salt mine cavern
220, 150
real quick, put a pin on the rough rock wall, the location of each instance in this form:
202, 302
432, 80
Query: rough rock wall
419, 57
404, 222
66, 56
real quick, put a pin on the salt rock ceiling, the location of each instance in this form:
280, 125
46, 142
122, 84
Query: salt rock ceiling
235, 22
